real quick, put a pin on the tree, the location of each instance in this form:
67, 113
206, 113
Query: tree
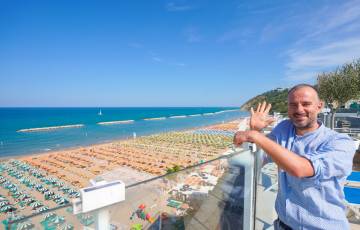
339, 86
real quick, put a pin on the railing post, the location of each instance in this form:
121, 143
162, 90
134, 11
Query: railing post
247, 160
102, 219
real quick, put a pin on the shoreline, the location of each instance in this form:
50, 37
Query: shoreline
74, 148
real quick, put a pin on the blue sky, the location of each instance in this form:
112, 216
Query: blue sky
168, 53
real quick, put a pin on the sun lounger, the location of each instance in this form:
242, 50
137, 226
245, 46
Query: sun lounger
352, 197
354, 176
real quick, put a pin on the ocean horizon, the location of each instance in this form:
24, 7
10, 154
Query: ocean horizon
29, 130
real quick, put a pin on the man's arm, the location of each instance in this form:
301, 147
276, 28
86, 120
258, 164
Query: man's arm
290, 162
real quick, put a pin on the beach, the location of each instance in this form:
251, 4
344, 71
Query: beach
54, 178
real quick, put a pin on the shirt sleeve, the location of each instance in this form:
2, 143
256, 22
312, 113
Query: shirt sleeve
274, 135
334, 159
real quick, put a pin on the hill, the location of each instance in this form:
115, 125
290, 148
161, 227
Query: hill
277, 98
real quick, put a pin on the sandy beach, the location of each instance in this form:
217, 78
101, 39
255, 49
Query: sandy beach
54, 178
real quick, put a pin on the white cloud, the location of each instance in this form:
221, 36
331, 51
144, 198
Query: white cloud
333, 17
306, 64
331, 37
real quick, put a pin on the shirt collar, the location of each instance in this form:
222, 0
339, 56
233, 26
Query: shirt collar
321, 127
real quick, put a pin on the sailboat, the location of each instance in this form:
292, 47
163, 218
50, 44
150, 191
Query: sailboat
100, 113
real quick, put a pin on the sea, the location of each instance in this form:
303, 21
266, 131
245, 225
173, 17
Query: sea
97, 125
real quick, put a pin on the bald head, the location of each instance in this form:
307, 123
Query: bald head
300, 86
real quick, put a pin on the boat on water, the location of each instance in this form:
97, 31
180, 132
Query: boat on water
100, 113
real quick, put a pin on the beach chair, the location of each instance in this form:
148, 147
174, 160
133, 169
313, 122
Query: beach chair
354, 177
352, 197
352, 194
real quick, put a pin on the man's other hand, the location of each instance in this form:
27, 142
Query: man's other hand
260, 118
244, 136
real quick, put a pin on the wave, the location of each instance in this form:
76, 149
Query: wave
231, 110
194, 115
182, 116
154, 118
226, 111
208, 114
115, 122
50, 128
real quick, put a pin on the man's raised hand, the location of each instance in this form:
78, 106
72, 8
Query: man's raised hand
260, 118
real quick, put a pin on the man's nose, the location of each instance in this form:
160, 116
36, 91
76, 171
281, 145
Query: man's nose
299, 107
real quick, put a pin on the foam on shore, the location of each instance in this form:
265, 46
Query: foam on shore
154, 118
195, 115
50, 128
226, 111
115, 122
182, 116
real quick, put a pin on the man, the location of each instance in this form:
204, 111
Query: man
313, 162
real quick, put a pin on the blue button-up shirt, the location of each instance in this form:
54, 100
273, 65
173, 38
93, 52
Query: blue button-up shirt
315, 202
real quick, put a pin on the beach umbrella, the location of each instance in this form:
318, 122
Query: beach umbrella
30, 184
11, 218
9, 185
38, 186
67, 227
44, 208
35, 204
65, 189
5, 202
7, 208
29, 200
57, 196
49, 193
25, 226
49, 215
77, 194
23, 196
4, 209
58, 220
18, 193
61, 201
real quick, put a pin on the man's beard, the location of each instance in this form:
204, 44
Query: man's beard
309, 123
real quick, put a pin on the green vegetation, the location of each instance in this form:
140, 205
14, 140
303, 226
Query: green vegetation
176, 168
339, 86
335, 88
277, 98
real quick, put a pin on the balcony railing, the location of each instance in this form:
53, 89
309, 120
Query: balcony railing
233, 191
218, 193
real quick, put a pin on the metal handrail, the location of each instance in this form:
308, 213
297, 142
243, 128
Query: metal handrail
232, 153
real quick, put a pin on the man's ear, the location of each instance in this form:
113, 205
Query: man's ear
321, 104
